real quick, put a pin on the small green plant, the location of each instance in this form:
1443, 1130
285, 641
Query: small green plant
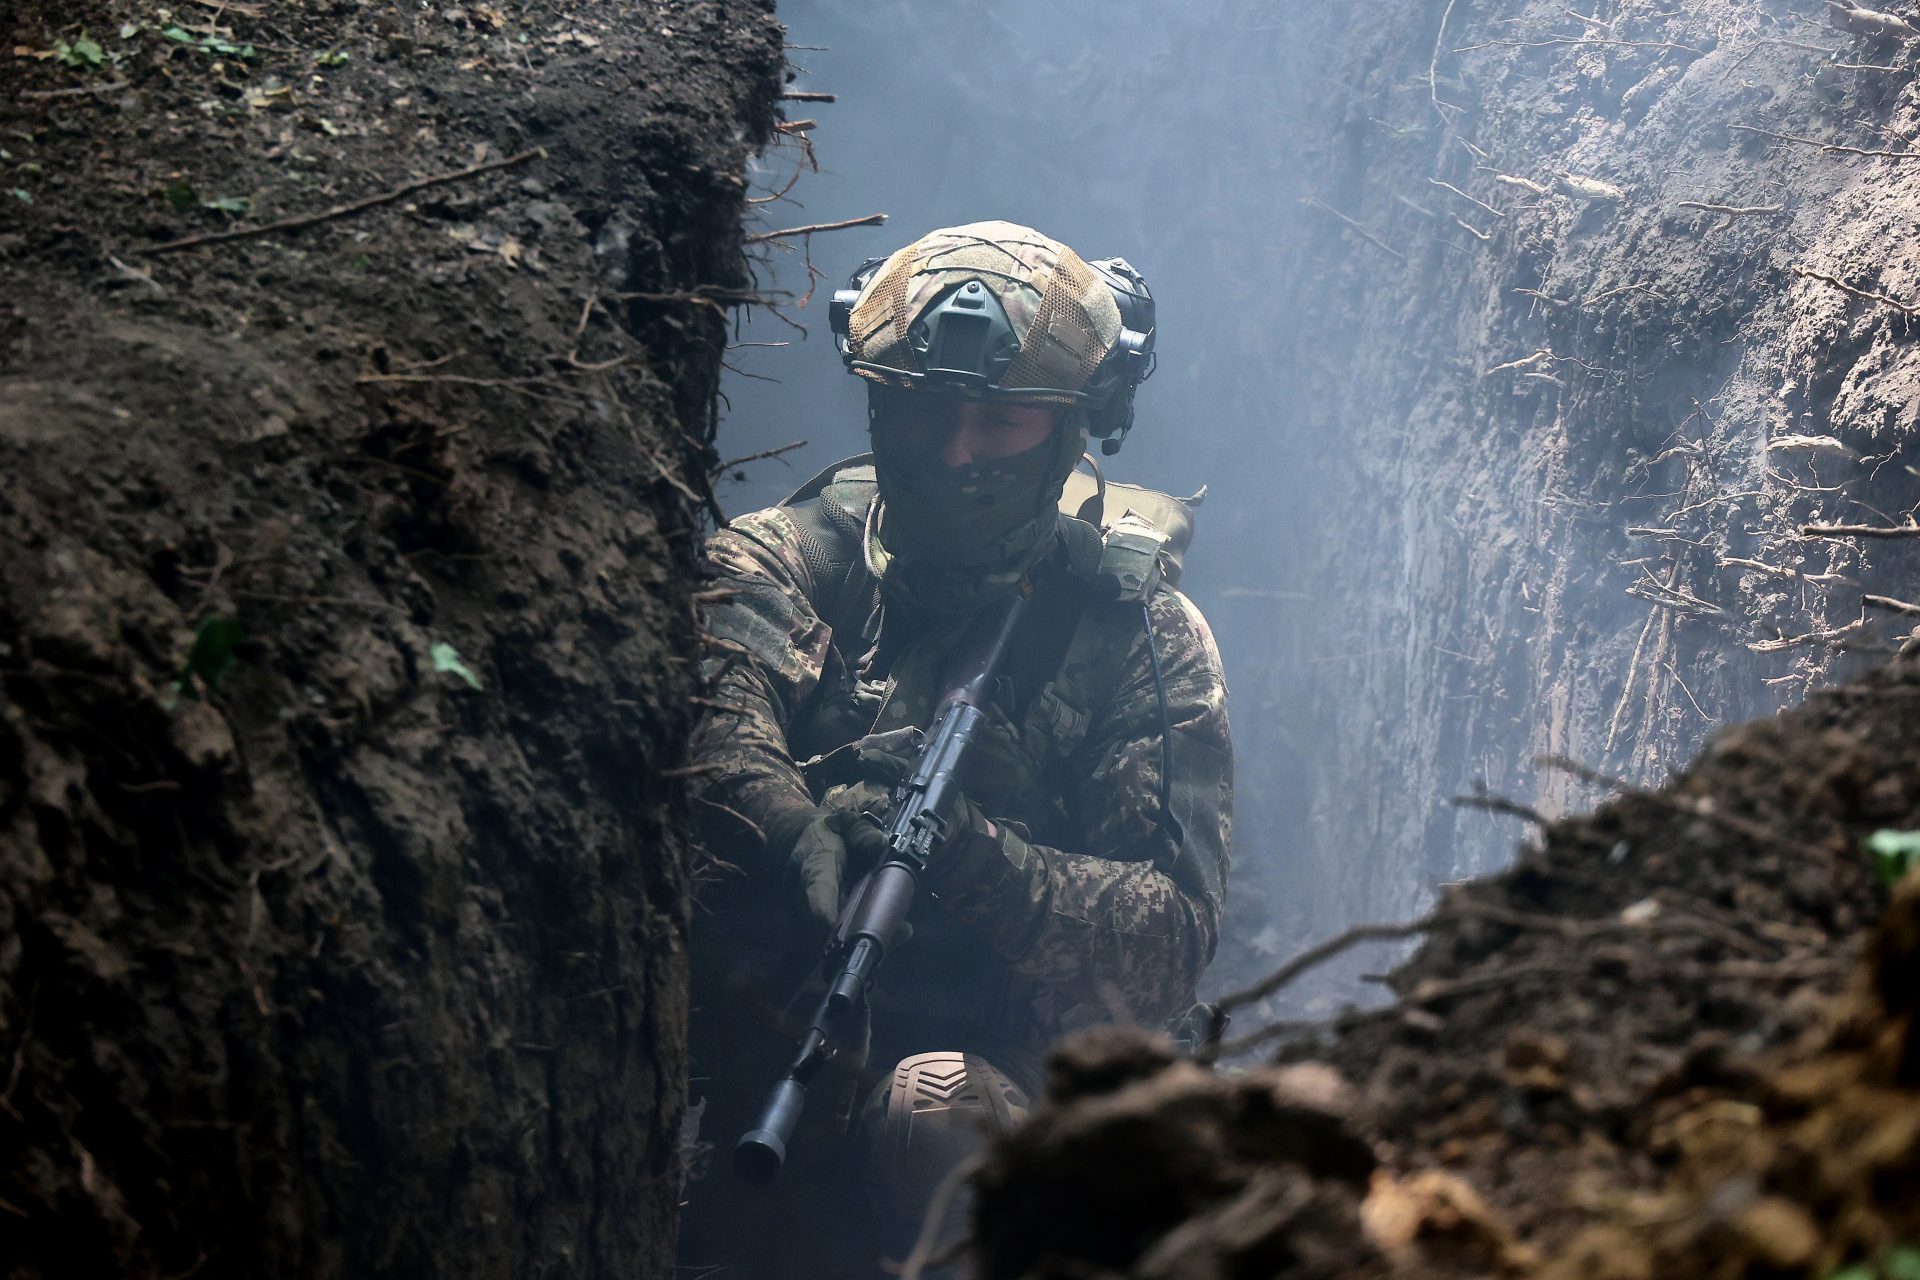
83, 54
334, 58
208, 43
1894, 854
1901, 1262
447, 658
23, 195
181, 196
215, 649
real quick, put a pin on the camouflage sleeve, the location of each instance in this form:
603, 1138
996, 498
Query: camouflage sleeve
1131, 917
762, 656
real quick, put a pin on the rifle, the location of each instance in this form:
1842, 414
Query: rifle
915, 829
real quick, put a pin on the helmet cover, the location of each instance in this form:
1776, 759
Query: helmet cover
1063, 316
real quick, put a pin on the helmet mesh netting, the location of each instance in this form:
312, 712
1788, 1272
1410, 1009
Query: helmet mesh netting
1065, 317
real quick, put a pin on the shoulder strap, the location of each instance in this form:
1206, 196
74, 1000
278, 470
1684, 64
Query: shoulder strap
1124, 564
829, 514
1107, 505
1062, 709
1133, 558
813, 487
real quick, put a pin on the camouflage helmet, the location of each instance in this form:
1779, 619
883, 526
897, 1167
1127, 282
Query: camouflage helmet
994, 309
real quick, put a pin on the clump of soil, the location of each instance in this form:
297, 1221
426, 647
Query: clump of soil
1643, 951
1188, 1168
1813, 1165
1646, 1023
342, 907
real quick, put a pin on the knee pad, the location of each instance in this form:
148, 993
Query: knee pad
930, 1113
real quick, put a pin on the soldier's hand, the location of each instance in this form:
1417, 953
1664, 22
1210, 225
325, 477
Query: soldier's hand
833, 851
975, 847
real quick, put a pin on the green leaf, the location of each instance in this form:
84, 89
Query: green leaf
227, 204
1902, 1262
447, 658
208, 44
1894, 854
334, 58
23, 195
215, 649
88, 50
181, 195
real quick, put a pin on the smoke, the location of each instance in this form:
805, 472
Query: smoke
1172, 136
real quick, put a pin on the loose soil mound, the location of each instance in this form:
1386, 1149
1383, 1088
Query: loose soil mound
1593, 1037
341, 913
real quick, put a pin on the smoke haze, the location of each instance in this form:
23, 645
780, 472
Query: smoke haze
1121, 130
1482, 408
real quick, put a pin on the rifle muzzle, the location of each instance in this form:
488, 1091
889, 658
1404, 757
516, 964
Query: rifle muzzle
762, 1150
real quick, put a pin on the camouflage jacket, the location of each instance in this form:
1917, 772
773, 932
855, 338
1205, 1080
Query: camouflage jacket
1104, 915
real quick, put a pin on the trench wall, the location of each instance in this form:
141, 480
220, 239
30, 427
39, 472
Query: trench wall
1568, 424
345, 626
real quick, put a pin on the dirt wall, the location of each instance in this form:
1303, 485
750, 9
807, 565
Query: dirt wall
1607, 332
1585, 416
344, 622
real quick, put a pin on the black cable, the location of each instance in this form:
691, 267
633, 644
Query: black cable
1166, 729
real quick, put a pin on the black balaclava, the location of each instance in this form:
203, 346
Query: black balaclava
947, 540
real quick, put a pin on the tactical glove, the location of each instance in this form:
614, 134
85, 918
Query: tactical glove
835, 847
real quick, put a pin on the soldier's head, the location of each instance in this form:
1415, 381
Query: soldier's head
991, 353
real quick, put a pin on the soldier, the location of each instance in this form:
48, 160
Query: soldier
1084, 881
